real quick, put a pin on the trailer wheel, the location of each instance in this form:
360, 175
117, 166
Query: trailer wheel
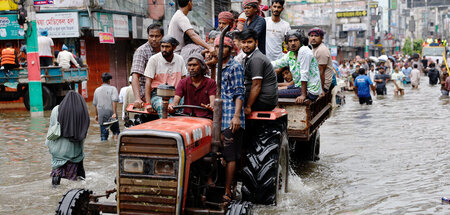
74, 202
309, 150
48, 100
265, 173
240, 208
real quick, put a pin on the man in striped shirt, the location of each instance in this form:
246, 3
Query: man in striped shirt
140, 59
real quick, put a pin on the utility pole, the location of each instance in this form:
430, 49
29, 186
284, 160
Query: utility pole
34, 73
333, 27
367, 35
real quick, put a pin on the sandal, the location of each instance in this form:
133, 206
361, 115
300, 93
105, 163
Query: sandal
226, 199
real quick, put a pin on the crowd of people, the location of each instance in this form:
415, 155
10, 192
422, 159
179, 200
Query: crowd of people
262, 60
403, 71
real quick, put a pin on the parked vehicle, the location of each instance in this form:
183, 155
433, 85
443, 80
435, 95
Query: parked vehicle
55, 84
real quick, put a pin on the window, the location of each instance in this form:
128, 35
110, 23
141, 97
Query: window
360, 34
343, 34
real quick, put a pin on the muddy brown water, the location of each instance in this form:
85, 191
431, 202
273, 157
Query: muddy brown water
387, 158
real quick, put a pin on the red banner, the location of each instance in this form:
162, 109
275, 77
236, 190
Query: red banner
106, 37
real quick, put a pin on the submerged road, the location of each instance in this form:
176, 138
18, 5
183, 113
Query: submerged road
387, 158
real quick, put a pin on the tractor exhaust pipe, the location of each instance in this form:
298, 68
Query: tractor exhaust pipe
217, 117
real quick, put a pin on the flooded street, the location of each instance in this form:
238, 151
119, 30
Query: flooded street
387, 158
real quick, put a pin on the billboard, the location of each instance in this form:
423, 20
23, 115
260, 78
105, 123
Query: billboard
59, 25
10, 28
320, 14
429, 3
7, 5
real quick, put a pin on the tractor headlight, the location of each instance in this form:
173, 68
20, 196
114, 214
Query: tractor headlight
133, 165
164, 168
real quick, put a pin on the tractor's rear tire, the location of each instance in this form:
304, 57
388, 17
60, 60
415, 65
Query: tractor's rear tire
267, 163
75, 202
48, 102
240, 208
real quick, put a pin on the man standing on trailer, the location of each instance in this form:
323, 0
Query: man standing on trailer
180, 24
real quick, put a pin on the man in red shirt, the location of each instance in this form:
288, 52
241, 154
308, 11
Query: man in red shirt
195, 90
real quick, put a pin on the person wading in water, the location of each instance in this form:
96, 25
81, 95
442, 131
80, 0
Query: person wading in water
66, 141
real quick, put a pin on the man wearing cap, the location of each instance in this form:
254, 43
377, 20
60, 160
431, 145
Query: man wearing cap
226, 18
180, 24
46, 50
255, 22
165, 67
303, 66
276, 29
323, 57
196, 89
105, 103
233, 117
65, 57
140, 58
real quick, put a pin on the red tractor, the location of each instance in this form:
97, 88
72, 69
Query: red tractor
163, 166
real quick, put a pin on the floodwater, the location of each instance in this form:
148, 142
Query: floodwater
387, 158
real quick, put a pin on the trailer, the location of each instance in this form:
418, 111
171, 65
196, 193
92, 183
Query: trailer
303, 125
56, 82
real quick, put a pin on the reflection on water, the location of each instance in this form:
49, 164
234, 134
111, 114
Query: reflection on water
387, 158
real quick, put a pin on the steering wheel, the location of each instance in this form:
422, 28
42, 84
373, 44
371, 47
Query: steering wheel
190, 106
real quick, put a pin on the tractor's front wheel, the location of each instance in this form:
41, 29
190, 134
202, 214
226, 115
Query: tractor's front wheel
75, 202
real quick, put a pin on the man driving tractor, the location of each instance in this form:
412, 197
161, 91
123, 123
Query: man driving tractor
196, 89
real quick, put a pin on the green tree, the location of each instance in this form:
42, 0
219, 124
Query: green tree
407, 47
418, 45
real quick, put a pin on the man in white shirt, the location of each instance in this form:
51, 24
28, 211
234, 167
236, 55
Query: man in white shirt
180, 24
276, 29
165, 67
123, 93
65, 57
46, 50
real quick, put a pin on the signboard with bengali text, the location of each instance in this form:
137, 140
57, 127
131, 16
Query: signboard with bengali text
59, 25
347, 14
120, 23
354, 27
106, 37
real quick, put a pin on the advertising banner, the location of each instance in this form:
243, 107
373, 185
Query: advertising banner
65, 4
7, 5
102, 22
106, 37
59, 25
43, 2
83, 50
320, 14
120, 23
10, 28
354, 27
